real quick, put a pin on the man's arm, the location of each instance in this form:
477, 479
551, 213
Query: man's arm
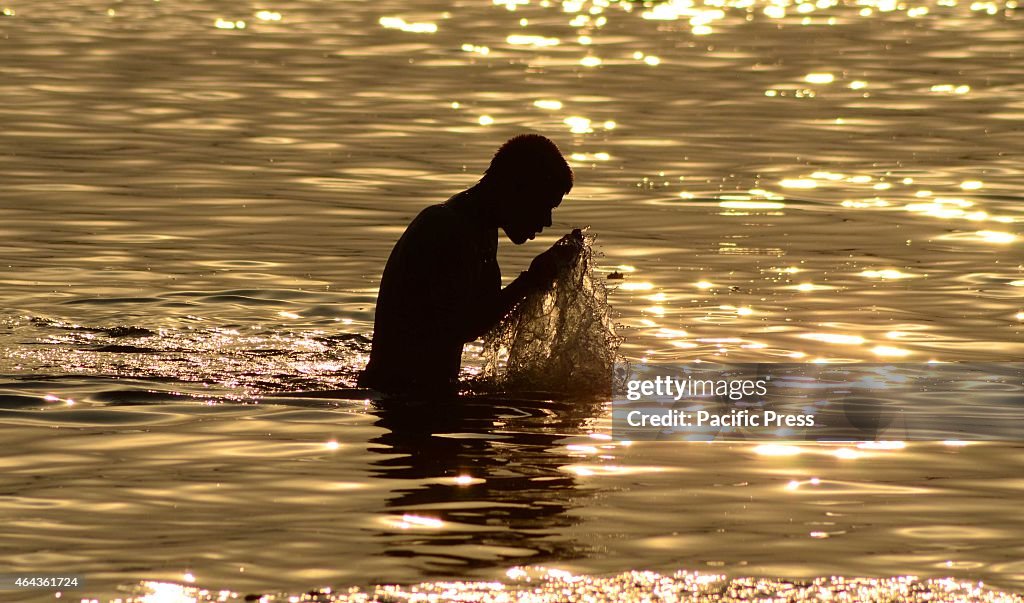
508, 298
542, 273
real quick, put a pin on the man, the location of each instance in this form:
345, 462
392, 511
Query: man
441, 286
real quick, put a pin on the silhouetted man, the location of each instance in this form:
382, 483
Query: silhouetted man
441, 286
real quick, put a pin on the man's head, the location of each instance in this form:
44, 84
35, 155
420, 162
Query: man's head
528, 177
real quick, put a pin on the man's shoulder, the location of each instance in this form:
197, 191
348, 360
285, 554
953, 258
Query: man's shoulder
435, 230
438, 222
438, 214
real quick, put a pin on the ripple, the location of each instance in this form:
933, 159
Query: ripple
241, 264
212, 95
948, 533
59, 187
137, 238
94, 417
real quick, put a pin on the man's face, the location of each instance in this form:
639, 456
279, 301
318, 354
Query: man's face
525, 216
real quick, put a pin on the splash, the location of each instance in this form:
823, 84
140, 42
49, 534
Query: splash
559, 340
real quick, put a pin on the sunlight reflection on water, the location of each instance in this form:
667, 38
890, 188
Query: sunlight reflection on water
198, 200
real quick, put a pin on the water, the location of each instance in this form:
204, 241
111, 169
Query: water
194, 221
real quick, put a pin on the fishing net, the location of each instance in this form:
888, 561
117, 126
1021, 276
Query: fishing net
559, 340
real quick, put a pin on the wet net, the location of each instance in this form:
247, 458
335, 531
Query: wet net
559, 340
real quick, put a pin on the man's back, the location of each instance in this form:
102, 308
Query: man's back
440, 281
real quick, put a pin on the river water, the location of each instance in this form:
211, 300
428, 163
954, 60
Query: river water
198, 197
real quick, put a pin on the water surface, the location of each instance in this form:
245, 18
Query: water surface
195, 213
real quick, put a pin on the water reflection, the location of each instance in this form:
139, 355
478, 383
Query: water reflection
478, 489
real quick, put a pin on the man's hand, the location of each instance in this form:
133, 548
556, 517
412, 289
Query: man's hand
546, 266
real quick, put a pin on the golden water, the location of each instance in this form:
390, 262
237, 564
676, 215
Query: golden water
194, 216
